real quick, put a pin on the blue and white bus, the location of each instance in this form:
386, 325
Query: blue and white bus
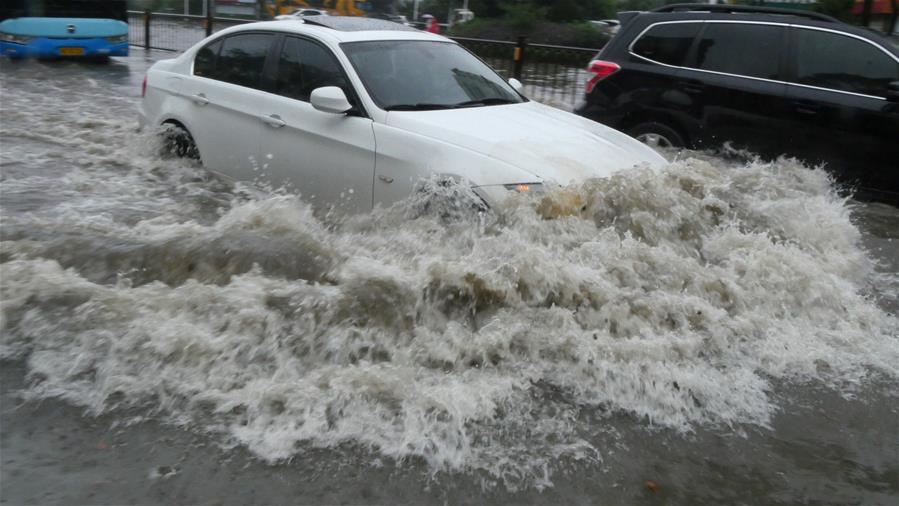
63, 28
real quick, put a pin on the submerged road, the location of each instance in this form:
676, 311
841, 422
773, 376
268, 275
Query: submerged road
723, 331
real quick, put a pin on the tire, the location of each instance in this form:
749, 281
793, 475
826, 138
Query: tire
657, 135
447, 199
177, 141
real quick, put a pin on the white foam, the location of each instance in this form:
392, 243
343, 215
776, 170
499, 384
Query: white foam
675, 297
425, 330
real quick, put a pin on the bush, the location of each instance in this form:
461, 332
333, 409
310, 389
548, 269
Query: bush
581, 34
523, 15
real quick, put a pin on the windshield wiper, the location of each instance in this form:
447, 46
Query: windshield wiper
486, 101
418, 107
431, 107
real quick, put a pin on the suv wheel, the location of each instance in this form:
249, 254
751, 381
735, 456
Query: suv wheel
656, 135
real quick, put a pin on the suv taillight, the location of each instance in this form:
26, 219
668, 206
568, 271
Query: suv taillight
601, 70
143, 88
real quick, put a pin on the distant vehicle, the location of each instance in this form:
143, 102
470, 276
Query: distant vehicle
396, 18
353, 112
301, 13
63, 28
769, 80
462, 16
611, 25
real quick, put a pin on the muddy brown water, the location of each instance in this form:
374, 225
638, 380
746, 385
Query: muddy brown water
723, 331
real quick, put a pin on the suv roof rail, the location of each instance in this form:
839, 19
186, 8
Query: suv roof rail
749, 9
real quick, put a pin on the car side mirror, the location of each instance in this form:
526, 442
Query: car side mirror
330, 99
893, 91
516, 84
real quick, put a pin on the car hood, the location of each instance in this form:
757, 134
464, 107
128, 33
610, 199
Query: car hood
549, 143
58, 27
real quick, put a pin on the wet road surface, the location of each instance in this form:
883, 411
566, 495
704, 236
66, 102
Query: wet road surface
723, 331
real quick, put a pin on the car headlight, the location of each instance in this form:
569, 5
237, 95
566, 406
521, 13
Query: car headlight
18, 39
494, 194
524, 187
118, 39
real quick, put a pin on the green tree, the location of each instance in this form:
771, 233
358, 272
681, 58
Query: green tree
524, 15
640, 5
601, 9
564, 10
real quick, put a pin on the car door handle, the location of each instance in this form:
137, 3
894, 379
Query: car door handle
807, 108
274, 121
386, 179
200, 99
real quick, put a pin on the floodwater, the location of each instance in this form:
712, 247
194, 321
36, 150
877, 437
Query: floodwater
722, 331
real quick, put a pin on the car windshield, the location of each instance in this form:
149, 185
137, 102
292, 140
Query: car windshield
425, 75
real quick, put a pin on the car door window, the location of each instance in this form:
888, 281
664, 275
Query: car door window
204, 62
242, 59
840, 62
752, 50
304, 66
667, 43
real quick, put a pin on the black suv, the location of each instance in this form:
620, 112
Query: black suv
770, 80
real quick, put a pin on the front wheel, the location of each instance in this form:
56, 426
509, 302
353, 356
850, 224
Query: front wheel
656, 135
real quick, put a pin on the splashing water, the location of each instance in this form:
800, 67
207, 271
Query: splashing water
672, 296
491, 343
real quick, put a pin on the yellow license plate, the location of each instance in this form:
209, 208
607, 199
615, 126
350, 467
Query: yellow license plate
71, 51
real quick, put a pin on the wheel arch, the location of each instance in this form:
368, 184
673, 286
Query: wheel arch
177, 122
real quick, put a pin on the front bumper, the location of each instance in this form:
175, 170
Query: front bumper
41, 47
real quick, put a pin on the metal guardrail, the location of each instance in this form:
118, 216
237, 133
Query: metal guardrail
550, 74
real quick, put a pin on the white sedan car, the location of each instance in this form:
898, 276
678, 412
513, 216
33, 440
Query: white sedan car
300, 13
353, 112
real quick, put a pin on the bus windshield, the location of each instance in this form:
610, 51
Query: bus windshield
101, 9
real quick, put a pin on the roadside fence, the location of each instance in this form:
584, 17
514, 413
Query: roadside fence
551, 74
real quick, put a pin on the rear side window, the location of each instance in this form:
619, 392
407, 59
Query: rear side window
741, 49
839, 62
204, 62
667, 43
304, 66
242, 59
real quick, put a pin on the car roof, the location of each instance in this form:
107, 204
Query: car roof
342, 29
726, 12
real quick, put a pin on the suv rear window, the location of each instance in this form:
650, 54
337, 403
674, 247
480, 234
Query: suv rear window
741, 49
838, 62
667, 43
